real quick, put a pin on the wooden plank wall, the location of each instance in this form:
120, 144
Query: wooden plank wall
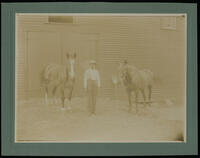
141, 40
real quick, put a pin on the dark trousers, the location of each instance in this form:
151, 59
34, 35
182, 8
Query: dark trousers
92, 94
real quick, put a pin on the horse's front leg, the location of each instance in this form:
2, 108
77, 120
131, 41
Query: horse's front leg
54, 94
129, 100
63, 98
69, 100
144, 96
46, 95
150, 91
136, 100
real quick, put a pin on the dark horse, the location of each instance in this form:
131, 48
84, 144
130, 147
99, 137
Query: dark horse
136, 81
59, 78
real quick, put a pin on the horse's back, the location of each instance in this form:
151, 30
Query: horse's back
136, 77
55, 72
141, 78
147, 76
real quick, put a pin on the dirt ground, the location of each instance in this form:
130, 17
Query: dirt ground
36, 121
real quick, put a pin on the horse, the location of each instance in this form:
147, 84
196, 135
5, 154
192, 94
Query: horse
136, 80
59, 78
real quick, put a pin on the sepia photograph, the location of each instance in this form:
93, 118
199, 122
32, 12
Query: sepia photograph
100, 77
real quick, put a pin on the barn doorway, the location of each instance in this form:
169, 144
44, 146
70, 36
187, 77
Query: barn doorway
51, 47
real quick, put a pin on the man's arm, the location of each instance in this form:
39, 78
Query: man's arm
98, 79
85, 80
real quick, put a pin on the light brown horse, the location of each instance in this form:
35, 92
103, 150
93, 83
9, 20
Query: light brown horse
136, 81
59, 78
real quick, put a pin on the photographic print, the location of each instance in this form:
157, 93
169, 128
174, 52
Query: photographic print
100, 77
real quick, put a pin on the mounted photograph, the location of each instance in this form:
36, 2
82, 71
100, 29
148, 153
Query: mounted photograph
100, 78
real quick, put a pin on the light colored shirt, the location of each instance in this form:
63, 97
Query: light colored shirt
92, 74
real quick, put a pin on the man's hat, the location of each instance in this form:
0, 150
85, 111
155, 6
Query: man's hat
92, 62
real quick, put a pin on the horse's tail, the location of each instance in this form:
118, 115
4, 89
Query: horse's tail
44, 78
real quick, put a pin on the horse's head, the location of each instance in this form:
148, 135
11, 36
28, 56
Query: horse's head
120, 72
123, 73
71, 58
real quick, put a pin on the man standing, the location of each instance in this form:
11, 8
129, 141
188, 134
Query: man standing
91, 85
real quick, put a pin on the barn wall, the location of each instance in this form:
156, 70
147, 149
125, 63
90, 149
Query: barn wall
141, 40
146, 44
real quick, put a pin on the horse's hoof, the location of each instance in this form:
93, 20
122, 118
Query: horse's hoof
93, 114
70, 110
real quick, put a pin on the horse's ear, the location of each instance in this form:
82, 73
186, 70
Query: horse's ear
67, 55
74, 55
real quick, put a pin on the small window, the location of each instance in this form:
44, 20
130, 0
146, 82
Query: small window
168, 23
60, 19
